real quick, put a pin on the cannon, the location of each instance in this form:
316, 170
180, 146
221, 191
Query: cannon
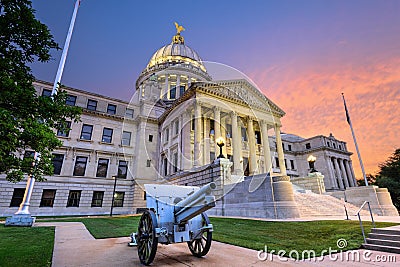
175, 214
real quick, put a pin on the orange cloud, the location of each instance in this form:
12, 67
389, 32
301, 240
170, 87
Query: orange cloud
311, 98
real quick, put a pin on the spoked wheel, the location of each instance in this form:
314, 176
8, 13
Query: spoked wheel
146, 237
200, 247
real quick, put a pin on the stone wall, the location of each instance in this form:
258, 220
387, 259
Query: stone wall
257, 196
379, 199
63, 185
314, 182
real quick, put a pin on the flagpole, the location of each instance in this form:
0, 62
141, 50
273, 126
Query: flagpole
65, 50
355, 140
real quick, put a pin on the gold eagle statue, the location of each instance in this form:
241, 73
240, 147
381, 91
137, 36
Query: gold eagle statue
179, 28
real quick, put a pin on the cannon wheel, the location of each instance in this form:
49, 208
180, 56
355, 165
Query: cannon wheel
146, 237
200, 247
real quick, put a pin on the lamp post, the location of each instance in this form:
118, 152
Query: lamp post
220, 143
113, 196
311, 160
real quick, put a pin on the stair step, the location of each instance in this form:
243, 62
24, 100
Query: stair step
382, 248
385, 231
383, 242
384, 237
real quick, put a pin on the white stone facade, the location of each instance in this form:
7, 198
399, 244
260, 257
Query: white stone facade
170, 126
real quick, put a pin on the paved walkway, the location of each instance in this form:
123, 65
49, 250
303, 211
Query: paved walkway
75, 246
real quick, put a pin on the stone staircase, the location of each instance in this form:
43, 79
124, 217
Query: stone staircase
316, 205
384, 239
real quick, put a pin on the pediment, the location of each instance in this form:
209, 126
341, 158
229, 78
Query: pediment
240, 91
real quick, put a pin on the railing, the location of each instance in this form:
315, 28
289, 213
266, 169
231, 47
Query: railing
359, 219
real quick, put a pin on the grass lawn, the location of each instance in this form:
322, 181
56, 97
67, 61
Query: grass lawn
300, 236
26, 246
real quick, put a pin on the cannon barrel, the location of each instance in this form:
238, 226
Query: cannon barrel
195, 203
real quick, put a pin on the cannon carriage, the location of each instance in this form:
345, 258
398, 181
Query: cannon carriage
175, 214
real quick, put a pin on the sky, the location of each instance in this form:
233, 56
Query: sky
301, 54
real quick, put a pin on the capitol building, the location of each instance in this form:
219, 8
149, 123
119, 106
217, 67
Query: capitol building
173, 131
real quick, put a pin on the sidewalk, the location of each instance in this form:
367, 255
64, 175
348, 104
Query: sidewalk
75, 246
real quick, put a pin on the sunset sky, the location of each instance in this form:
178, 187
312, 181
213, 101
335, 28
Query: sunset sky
301, 54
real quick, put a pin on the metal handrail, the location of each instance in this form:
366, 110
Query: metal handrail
359, 219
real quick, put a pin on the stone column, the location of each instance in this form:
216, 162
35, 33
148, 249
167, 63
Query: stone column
166, 88
344, 175
252, 147
352, 172
197, 135
332, 174
178, 86
236, 144
280, 150
349, 174
266, 148
206, 142
217, 129
339, 178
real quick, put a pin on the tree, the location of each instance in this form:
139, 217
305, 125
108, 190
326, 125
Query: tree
27, 121
370, 178
389, 177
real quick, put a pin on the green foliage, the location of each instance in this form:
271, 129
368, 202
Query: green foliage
389, 177
27, 121
26, 246
370, 178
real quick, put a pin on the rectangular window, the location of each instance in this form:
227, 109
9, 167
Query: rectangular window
122, 169
48, 197
212, 125
167, 134
329, 145
176, 162
283, 146
244, 134
308, 146
340, 147
192, 123
212, 156
129, 113
150, 138
17, 197
172, 93
57, 163
86, 133
176, 127
126, 138
119, 199
74, 198
290, 147
71, 100
46, 92
292, 164
66, 132
148, 163
80, 166
165, 165
229, 130
285, 163
277, 162
111, 109
97, 200
182, 90
91, 104
107, 135
102, 167
334, 145
29, 154
258, 137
